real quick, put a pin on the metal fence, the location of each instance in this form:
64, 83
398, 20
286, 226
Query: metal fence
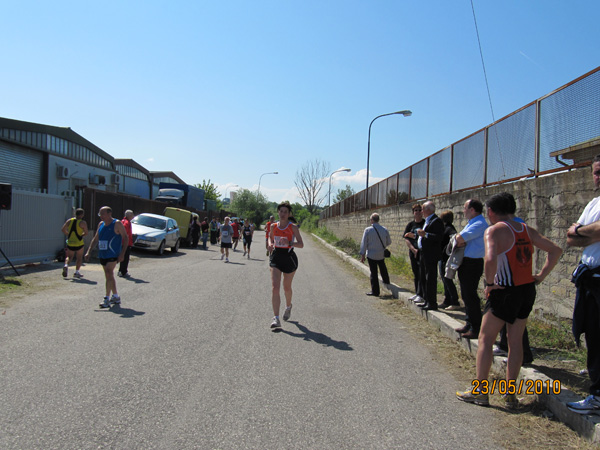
525, 143
30, 230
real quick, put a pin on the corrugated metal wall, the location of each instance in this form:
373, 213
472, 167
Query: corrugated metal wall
21, 167
30, 230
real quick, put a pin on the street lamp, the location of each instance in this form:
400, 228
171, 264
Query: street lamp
267, 173
405, 113
340, 170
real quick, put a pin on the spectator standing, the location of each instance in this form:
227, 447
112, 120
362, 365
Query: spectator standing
510, 292
214, 231
374, 241
410, 238
450, 294
75, 229
585, 233
204, 228
124, 266
471, 268
430, 245
195, 229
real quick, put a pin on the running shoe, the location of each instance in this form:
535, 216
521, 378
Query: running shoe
248, 255
226, 260
222, 256
589, 405
275, 323
413, 297
287, 313
65, 272
477, 398
77, 275
105, 304
510, 401
115, 300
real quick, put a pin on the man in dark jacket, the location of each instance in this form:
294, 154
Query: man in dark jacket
430, 245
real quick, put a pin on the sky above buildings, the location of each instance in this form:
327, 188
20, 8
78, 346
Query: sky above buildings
230, 90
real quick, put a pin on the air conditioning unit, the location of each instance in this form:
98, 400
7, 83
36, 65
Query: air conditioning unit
97, 179
116, 178
62, 172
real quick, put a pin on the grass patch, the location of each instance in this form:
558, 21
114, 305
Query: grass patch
9, 284
556, 338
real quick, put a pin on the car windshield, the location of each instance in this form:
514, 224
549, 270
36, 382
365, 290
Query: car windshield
151, 222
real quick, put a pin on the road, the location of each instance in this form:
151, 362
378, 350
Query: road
189, 361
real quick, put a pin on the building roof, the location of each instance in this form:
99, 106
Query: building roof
163, 174
62, 132
131, 163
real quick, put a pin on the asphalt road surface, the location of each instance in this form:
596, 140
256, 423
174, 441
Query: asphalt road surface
189, 361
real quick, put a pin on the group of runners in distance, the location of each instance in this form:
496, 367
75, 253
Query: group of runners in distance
114, 243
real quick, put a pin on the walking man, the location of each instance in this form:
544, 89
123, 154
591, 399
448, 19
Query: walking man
510, 293
111, 239
586, 314
226, 239
75, 229
123, 267
374, 241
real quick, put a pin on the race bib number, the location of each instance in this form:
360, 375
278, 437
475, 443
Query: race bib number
103, 245
281, 241
225, 233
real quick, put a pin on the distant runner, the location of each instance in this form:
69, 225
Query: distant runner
247, 232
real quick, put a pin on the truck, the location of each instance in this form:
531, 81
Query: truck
181, 196
183, 218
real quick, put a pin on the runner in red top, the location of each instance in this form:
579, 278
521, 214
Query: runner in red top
236, 233
267, 229
284, 237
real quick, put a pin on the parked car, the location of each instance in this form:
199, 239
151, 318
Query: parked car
154, 232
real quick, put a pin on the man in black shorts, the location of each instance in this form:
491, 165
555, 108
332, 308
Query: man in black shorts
509, 290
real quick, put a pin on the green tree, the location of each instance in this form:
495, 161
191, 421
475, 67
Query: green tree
210, 192
250, 205
343, 194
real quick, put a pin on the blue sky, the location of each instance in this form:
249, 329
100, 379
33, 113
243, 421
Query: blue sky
227, 91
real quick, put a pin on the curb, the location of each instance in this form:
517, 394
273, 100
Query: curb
587, 426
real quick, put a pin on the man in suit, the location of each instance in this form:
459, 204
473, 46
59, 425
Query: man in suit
430, 245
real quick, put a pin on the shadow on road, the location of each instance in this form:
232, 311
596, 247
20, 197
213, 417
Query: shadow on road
82, 281
125, 313
319, 338
135, 280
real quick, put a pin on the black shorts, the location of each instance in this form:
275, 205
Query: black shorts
104, 261
74, 249
248, 241
284, 260
225, 244
511, 303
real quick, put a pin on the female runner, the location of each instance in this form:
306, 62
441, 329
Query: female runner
284, 236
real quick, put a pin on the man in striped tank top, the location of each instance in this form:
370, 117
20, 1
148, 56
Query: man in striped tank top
509, 290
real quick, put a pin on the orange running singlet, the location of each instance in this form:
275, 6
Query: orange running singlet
283, 237
515, 264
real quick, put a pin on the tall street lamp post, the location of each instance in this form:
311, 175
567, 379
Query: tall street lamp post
267, 173
340, 170
405, 113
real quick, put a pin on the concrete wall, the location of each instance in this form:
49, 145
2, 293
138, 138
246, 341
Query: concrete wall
550, 204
